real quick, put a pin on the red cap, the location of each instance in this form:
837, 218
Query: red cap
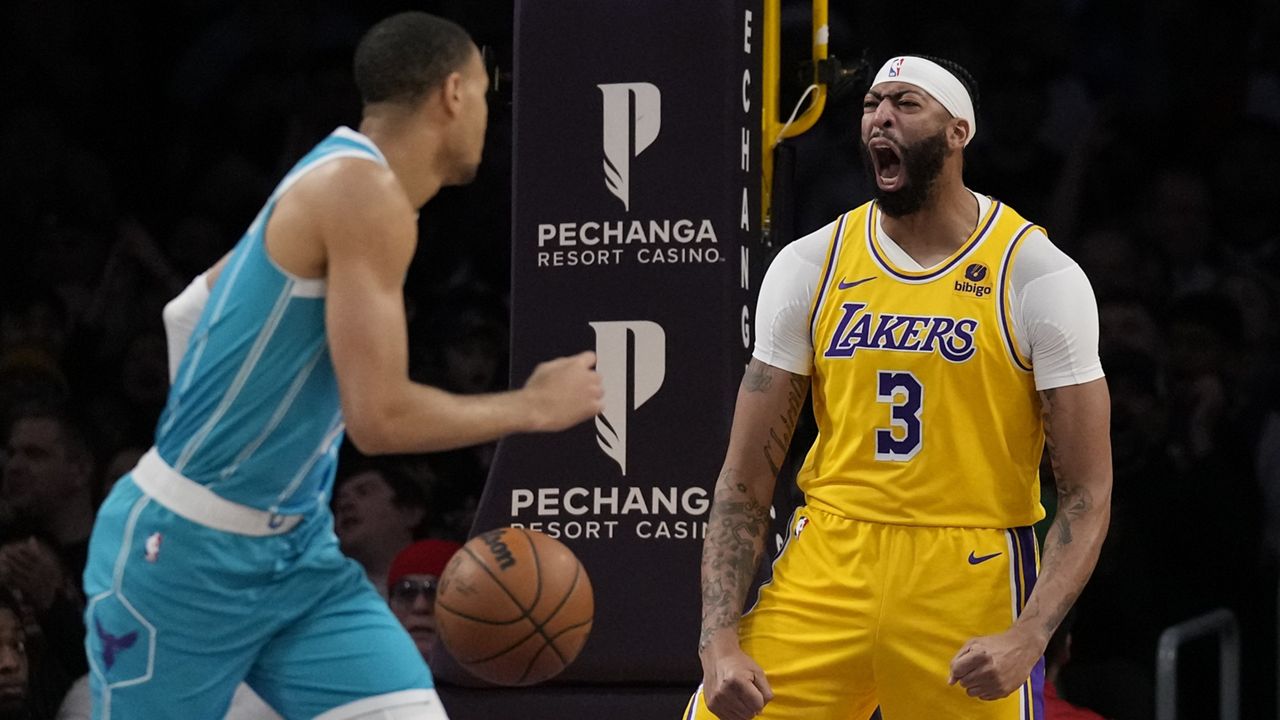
425, 557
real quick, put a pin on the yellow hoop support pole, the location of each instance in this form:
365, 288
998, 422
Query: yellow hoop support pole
771, 124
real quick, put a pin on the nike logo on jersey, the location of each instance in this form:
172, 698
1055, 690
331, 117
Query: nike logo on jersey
846, 285
953, 338
979, 560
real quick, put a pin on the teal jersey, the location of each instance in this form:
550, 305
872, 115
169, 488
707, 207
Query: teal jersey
254, 413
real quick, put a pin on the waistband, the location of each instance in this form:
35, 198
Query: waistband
197, 503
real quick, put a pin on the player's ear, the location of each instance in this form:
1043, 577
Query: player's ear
958, 133
450, 93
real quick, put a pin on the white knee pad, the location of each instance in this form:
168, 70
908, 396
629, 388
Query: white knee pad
403, 705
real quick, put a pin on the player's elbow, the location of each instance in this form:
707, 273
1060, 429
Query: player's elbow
368, 443
370, 430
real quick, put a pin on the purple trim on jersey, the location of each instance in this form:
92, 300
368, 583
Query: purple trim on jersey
1036, 706
1024, 543
826, 280
993, 213
1004, 293
1017, 569
1027, 537
693, 705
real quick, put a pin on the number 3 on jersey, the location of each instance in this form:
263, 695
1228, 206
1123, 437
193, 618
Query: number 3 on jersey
905, 396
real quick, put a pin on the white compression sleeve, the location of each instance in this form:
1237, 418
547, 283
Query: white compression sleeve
786, 295
181, 315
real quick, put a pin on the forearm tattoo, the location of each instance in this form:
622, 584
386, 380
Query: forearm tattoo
1074, 498
731, 553
739, 522
1075, 502
779, 440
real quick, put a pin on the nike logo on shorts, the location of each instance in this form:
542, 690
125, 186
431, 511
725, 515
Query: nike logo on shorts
979, 560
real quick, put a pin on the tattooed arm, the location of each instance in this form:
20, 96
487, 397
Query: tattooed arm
1077, 421
769, 402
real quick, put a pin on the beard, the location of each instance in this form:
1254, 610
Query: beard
922, 163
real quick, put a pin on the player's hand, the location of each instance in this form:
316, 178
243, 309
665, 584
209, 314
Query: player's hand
564, 392
732, 683
992, 667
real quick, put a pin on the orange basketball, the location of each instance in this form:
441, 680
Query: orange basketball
514, 606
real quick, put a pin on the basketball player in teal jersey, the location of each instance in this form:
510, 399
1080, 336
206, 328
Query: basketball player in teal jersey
214, 561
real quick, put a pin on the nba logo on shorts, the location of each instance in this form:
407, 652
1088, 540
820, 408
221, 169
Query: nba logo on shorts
152, 547
895, 67
800, 525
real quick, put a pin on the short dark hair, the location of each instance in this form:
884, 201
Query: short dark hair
964, 76
402, 58
10, 603
71, 428
410, 487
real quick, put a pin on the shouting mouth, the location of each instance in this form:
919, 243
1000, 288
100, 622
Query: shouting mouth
886, 160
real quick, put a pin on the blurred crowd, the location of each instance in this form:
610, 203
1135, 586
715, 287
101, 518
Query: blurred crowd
139, 140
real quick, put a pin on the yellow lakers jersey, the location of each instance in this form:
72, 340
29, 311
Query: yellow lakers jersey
927, 411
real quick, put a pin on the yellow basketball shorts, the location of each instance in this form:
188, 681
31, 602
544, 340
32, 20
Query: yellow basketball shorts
860, 615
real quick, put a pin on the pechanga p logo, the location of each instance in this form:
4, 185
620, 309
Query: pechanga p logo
630, 378
628, 107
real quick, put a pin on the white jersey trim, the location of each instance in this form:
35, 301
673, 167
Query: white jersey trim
418, 703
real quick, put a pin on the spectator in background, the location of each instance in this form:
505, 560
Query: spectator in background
1246, 188
30, 375
195, 243
1176, 220
1119, 269
378, 509
1254, 295
32, 681
124, 460
51, 600
1216, 540
137, 279
35, 320
143, 385
411, 589
1114, 637
463, 349
48, 481
1056, 655
1203, 330
15, 678
1015, 163
1129, 327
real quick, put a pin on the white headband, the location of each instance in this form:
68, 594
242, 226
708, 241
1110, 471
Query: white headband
935, 80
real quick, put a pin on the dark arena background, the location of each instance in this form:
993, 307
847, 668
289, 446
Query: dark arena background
628, 204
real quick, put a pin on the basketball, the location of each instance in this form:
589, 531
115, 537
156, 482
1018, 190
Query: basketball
514, 606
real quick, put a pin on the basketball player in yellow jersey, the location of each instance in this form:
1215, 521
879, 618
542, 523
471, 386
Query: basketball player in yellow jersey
946, 340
